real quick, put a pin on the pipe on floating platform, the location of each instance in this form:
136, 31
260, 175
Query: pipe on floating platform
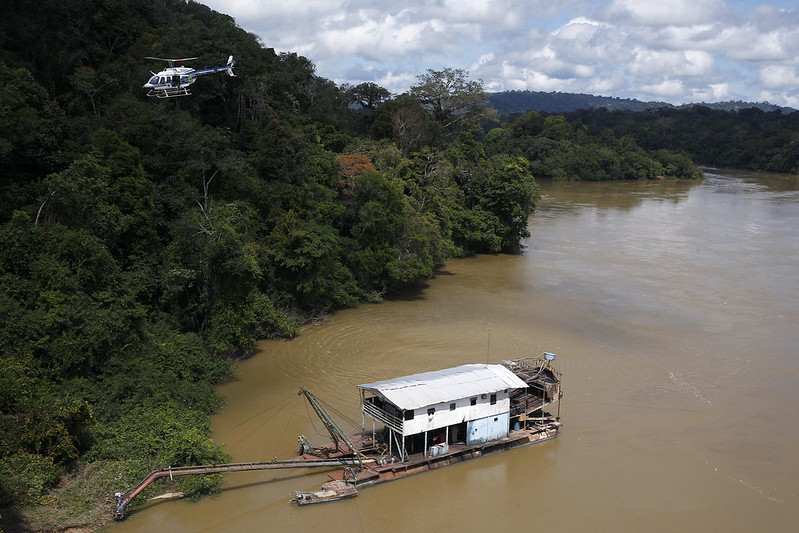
124, 498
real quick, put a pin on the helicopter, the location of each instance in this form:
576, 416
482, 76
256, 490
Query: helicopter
174, 81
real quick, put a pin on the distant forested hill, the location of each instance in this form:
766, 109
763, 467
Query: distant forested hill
746, 138
556, 102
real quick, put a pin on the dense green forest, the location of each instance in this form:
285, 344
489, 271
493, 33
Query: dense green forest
145, 244
558, 149
748, 138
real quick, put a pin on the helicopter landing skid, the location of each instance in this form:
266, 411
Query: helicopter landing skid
170, 92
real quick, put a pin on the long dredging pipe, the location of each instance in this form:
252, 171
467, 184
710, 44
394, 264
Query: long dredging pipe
124, 498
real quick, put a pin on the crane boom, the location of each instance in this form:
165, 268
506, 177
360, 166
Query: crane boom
335, 432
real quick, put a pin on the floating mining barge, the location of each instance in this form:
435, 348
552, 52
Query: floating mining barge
416, 423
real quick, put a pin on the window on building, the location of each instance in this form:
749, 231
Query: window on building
452, 407
473, 401
409, 414
493, 399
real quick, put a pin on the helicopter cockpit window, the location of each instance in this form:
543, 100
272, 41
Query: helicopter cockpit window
154, 80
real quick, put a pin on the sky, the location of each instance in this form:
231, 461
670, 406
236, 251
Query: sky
676, 51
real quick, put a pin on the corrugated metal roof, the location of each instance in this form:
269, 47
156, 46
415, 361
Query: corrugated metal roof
447, 385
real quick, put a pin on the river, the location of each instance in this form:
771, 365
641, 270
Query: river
673, 309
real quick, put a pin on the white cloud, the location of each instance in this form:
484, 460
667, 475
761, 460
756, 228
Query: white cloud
394, 79
492, 15
775, 45
540, 81
698, 37
672, 49
580, 29
789, 99
486, 60
378, 39
650, 62
720, 91
607, 85
779, 76
665, 89
711, 93
668, 12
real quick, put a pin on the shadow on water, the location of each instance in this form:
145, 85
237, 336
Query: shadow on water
623, 195
228, 488
417, 291
413, 293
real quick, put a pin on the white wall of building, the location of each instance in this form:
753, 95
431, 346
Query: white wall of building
463, 412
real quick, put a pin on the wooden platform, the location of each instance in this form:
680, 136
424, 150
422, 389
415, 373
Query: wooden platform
381, 470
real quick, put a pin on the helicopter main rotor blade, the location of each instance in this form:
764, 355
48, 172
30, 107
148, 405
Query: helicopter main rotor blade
165, 59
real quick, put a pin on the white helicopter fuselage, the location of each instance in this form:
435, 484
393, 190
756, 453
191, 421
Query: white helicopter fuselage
175, 81
166, 78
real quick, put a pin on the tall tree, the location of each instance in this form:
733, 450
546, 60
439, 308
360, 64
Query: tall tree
450, 95
368, 95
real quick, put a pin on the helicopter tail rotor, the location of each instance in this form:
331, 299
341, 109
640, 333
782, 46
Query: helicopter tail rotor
229, 66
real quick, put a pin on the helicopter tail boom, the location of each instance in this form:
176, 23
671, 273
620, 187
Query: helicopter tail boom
213, 70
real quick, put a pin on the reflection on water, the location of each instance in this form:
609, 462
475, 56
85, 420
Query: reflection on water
673, 308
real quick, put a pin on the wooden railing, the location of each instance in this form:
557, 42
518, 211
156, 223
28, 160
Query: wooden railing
382, 416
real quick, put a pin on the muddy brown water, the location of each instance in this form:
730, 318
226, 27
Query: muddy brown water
674, 311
